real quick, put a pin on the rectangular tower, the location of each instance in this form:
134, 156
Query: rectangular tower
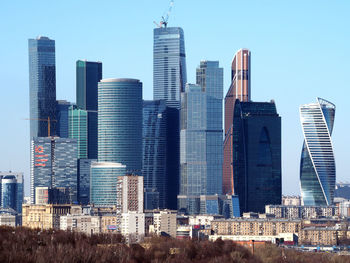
78, 129
62, 107
42, 85
54, 164
88, 74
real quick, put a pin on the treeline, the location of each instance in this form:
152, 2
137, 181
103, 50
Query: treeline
27, 245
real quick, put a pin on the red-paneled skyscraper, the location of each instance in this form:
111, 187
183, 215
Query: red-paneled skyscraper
239, 89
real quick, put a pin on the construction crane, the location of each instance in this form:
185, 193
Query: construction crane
165, 18
48, 120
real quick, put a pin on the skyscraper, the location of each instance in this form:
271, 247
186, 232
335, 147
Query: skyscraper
84, 174
62, 108
120, 123
42, 85
201, 137
154, 152
239, 89
256, 161
78, 129
317, 165
88, 74
169, 65
54, 164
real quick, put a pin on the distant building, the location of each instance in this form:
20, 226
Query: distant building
42, 86
317, 171
7, 220
133, 226
303, 212
56, 195
342, 190
164, 223
78, 129
80, 223
11, 190
54, 165
84, 173
103, 184
291, 200
62, 108
129, 193
256, 147
88, 74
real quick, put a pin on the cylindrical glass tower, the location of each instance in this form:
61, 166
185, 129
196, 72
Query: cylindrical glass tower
8, 192
120, 123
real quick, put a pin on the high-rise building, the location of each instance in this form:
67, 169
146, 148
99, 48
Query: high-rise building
239, 89
84, 173
62, 108
201, 137
11, 190
54, 164
317, 165
256, 159
154, 152
120, 123
169, 65
103, 184
42, 85
88, 74
129, 194
78, 129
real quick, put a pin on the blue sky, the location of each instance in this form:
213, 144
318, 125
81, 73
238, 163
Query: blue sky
300, 50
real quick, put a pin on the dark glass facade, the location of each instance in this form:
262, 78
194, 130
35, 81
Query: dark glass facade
42, 85
62, 108
11, 191
256, 151
88, 74
84, 168
154, 152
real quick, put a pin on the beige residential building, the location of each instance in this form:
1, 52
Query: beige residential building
46, 216
7, 220
319, 236
133, 226
164, 222
255, 226
109, 223
81, 223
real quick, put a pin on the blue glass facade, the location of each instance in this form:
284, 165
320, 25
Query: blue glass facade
256, 151
317, 166
78, 129
104, 175
169, 65
84, 171
120, 123
42, 85
11, 190
88, 74
62, 108
154, 142
201, 134
54, 164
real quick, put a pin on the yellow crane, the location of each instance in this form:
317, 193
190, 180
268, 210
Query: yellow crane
48, 120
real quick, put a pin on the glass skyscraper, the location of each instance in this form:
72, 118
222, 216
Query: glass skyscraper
78, 129
62, 107
11, 190
154, 154
54, 164
120, 123
42, 85
317, 166
169, 65
88, 74
84, 173
103, 185
256, 148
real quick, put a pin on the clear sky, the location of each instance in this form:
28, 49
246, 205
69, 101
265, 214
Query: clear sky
300, 50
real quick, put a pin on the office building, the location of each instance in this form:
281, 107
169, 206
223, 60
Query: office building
88, 74
11, 190
129, 194
120, 123
154, 153
317, 165
62, 108
42, 85
256, 153
78, 129
54, 164
56, 195
84, 172
239, 89
169, 65
304, 212
342, 190
103, 183
201, 137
